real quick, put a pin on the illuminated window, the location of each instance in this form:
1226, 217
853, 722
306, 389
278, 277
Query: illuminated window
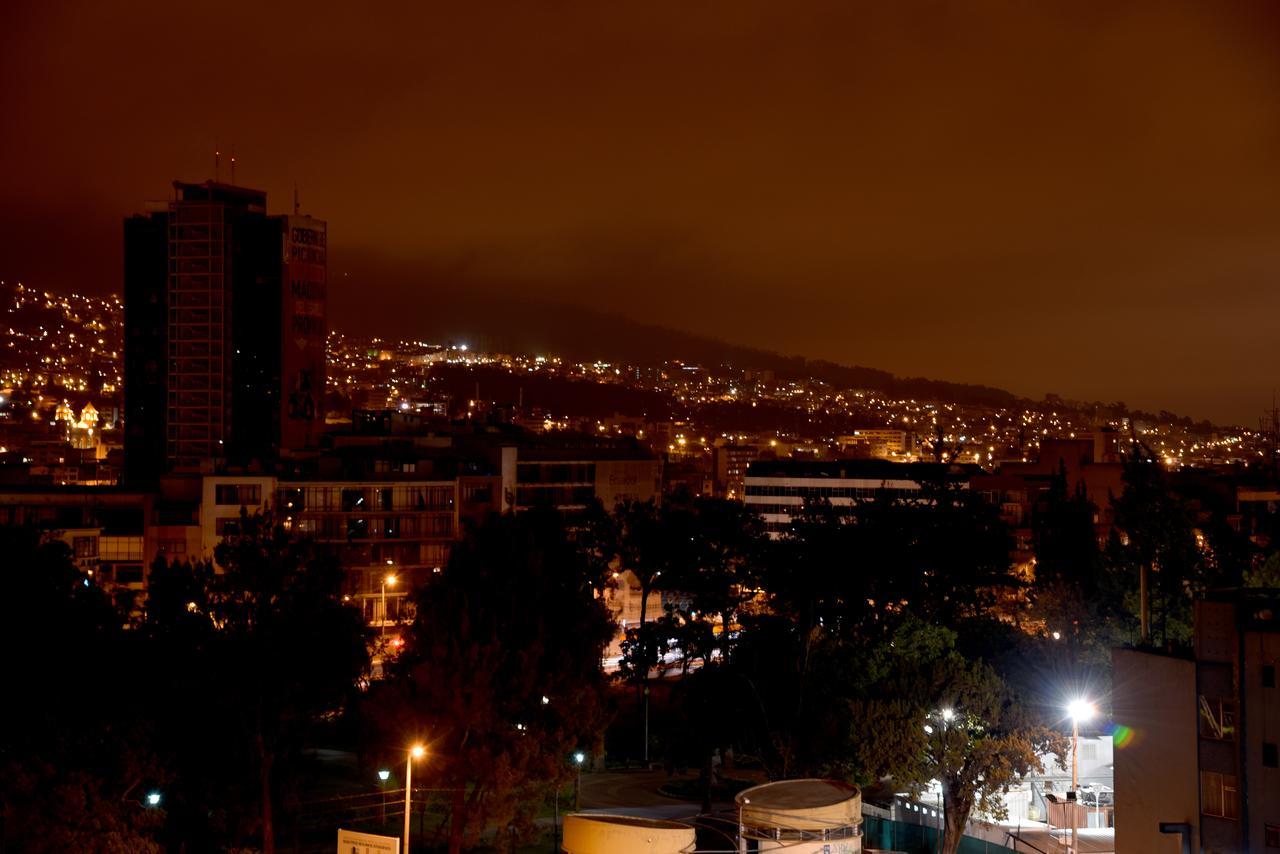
86, 546
1220, 794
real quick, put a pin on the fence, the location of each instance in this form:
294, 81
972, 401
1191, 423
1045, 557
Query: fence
911, 838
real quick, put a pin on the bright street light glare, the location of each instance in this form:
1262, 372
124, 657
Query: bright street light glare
579, 757
153, 799
1081, 710
948, 714
384, 775
391, 581
417, 751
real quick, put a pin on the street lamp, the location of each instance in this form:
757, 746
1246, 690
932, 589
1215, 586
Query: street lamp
415, 752
578, 759
384, 774
388, 580
153, 799
1079, 710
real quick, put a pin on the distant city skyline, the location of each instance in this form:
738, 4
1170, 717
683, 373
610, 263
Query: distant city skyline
1070, 199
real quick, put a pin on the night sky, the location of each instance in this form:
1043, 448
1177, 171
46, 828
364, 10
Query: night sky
1072, 197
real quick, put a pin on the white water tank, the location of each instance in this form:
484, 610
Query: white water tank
598, 833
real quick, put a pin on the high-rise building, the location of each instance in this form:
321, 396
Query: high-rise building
225, 332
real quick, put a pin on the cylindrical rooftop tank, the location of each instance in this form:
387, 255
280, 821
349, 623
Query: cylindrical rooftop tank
597, 833
803, 816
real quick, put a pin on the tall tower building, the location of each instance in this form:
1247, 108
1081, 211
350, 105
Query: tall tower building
239, 352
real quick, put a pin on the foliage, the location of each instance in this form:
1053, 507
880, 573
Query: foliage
75, 756
511, 621
1266, 575
1155, 531
250, 658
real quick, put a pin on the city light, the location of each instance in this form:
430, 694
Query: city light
153, 799
384, 775
417, 751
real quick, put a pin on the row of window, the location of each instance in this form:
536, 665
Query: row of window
832, 491
353, 499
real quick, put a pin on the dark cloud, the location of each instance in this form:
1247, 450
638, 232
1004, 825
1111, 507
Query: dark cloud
1077, 197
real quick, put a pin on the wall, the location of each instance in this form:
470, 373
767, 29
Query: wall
1156, 774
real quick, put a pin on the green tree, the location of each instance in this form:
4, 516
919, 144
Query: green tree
941, 716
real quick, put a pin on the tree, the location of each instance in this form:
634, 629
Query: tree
501, 672
725, 569
1065, 539
1266, 575
940, 716
75, 752
1155, 535
249, 659
655, 540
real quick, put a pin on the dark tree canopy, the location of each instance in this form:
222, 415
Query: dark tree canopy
501, 677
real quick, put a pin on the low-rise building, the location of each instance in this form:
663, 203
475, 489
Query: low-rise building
1199, 742
778, 489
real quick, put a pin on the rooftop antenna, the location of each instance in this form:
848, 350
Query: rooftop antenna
233, 164
217, 160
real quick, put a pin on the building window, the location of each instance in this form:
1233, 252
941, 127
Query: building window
237, 495
1217, 719
120, 548
227, 527
1270, 755
1220, 794
1272, 835
478, 494
86, 546
172, 547
1268, 676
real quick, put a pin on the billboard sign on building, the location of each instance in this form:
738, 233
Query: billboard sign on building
302, 362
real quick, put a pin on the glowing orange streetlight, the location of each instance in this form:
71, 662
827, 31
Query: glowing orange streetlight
415, 752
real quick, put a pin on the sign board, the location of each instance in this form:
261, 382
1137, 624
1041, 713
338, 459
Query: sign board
351, 842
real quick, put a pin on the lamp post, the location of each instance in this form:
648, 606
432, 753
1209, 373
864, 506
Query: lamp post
578, 759
384, 774
388, 580
1079, 710
415, 752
